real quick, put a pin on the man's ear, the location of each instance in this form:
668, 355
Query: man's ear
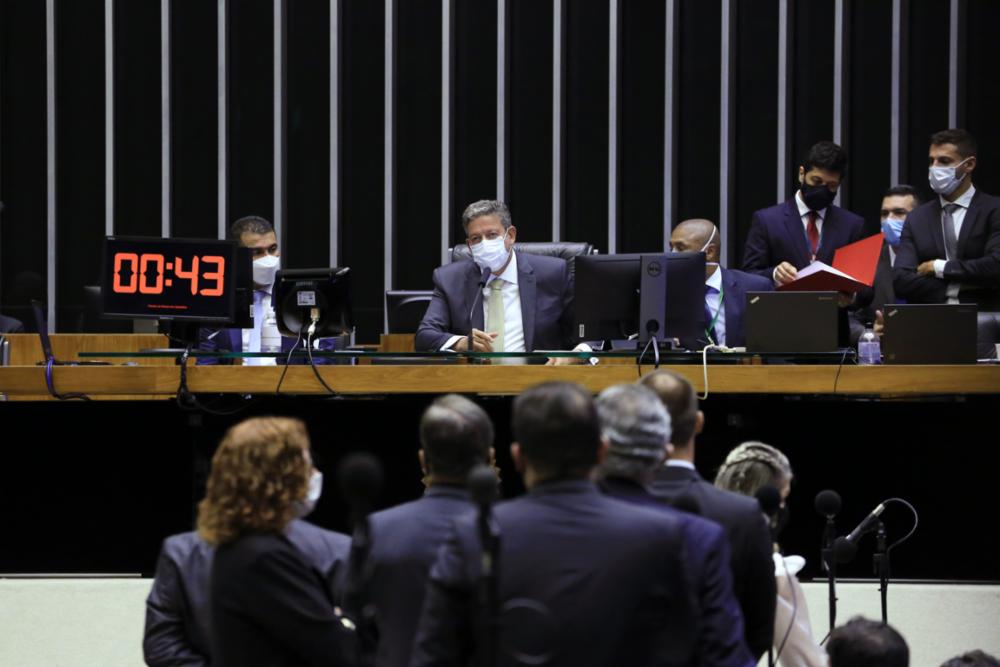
493, 457
511, 235
516, 456
423, 461
668, 451
699, 423
802, 174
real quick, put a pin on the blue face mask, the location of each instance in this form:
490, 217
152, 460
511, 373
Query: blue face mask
893, 230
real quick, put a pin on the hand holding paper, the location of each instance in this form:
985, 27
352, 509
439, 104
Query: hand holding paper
853, 269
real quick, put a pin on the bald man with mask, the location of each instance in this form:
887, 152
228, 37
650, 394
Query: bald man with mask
725, 289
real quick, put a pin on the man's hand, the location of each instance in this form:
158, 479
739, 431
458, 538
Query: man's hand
785, 273
926, 268
481, 342
844, 299
879, 323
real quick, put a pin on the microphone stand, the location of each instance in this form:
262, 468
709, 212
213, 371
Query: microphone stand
489, 534
830, 564
880, 562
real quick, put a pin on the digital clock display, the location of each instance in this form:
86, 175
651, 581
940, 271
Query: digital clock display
181, 279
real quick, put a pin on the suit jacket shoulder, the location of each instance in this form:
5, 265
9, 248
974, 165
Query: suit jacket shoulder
748, 282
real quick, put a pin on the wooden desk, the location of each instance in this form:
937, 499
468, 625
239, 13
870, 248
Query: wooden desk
157, 381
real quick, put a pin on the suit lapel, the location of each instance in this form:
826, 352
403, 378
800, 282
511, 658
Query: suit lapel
970, 220
793, 225
526, 288
937, 233
732, 301
235, 339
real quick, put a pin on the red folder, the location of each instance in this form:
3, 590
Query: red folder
853, 269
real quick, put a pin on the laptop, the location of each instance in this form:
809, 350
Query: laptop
43, 334
926, 333
791, 322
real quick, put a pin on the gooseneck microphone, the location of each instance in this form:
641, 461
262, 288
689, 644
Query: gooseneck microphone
828, 504
769, 499
477, 299
482, 485
867, 525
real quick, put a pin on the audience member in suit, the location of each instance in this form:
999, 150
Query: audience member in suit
583, 579
256, 233
725, 289
741, 517
10, 325
177, 615
975, 658
636, 426
455, 435
526, 304
897, 203
864, 643
269, 605
950, 247
746, 470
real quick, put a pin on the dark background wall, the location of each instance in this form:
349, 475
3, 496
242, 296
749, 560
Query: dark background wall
573, 35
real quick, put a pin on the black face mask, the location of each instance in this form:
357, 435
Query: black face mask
817, 197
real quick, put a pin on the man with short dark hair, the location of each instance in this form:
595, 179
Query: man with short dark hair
740, 516
950, 247
525, 305
636, 426
583, 579
975, 658
786, 238
864, 643
455, 436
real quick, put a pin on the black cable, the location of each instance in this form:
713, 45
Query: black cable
288, 359
840, 367
916, 522
312, 364
51, 385
188, 401
642, 355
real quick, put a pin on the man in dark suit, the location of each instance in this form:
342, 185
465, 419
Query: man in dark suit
583, 579
177, 617
789, 236
636, 426
725, 289
950, 247
455, 435
740, 516
525, 304
10, 325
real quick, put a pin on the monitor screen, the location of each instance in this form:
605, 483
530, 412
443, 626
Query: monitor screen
169, 279
606, 297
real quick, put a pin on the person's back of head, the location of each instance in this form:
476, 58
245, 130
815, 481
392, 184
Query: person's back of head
456, 435
864, 643
753, 465
975, 658
678, 396
636, 427
556, 432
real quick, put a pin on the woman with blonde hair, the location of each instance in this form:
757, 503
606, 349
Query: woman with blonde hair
269, 607
747, 469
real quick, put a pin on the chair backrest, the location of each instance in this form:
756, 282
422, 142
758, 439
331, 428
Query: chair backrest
568, 250
405, 308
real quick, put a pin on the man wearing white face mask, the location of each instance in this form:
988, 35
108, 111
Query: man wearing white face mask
505, 300
725, 289
949, 250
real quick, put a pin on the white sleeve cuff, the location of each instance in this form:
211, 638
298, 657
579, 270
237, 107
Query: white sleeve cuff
451, 341
939, 267
774, 277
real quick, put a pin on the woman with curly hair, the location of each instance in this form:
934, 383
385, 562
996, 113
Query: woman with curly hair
269, 607
747, 469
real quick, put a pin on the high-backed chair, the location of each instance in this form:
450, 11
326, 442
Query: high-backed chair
568, 250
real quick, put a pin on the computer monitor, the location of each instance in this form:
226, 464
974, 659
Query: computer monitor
672, 304
302, 295
606, 297
405, 309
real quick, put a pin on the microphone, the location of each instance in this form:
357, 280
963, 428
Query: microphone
868, 524
360, 480
482, 484
483, 279
769, 498
844, 550
828, 503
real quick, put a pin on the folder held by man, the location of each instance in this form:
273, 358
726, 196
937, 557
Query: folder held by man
853, 269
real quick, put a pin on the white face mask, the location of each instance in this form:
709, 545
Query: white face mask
265, 268
491, 253
708, 243
945, 180
305, 506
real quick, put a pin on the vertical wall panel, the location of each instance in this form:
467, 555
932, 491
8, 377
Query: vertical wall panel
137, 118
418, 142
475, 132
251, 112
585, 136
983, 91
22, 157
640, 122
79, 26
193, 127
870, 111
698, 111
755, 118
812, 79
927, 101
307, 182
529, 127
362, 27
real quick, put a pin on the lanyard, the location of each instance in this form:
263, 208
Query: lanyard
711, 327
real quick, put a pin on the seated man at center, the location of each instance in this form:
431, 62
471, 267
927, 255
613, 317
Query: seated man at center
524, 305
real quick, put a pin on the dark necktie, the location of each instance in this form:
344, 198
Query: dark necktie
812, 231
948, 228
710, 316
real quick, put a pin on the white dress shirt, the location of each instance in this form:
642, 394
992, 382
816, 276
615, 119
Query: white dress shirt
678, 463
714, 299
804, 216
957, 217
513, 331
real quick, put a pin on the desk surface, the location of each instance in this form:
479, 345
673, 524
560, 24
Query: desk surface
161, 381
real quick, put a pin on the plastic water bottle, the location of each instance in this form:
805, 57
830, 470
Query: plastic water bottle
869, 348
